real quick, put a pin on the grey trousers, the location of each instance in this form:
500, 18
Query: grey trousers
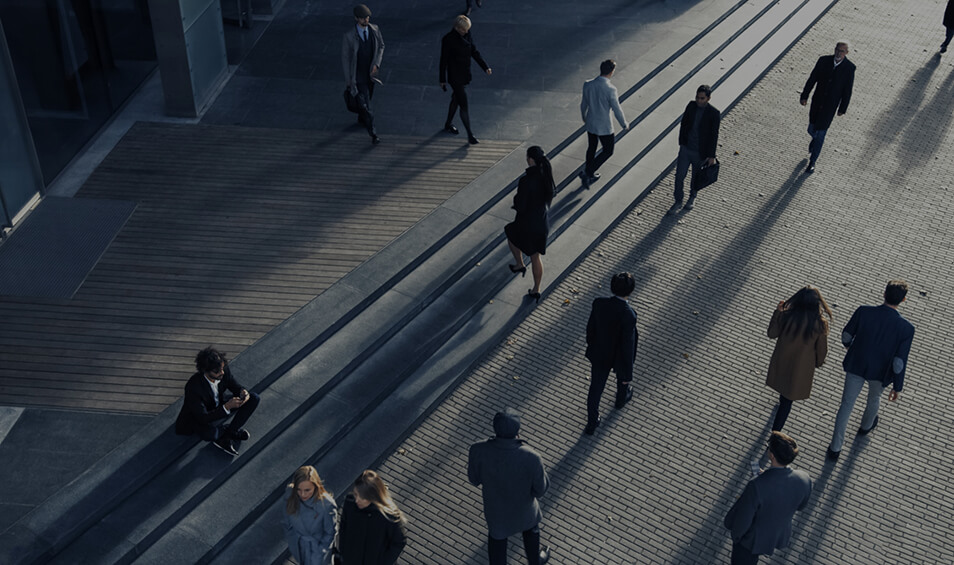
853, 384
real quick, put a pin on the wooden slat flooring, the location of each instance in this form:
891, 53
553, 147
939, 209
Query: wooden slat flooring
236, 229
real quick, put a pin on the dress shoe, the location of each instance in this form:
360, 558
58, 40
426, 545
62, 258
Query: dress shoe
620, 402
943, 48
449, 128
863, 432
225, 444
241, 435
591, 427
535, 296
375, 140
690, 204
545, 552
811, 168
472, 140
673, 209
585, 179
594, 177
832, 455
480, 3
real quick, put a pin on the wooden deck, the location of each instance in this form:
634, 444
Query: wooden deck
236, 229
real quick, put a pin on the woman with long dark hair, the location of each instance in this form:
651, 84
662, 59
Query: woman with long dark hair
527, 234
372, 528
800, 324
309, 518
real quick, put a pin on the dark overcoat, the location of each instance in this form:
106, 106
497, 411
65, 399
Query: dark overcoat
708, 128
792, 369
612, 337
949, 14
456, 52
367, 537
832, 90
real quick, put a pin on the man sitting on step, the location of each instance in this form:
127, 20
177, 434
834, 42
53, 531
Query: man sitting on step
206, 408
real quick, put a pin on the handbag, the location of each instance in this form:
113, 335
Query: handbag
707, 175
351, 101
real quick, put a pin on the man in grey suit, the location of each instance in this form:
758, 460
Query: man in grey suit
362, 49
599, 98
760, 521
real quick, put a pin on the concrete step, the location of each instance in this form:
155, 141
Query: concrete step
349, 374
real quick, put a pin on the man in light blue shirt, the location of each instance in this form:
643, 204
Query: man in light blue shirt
599, 98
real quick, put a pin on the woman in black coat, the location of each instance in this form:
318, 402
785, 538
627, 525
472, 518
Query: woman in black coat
457, 49
372, 528
528, 232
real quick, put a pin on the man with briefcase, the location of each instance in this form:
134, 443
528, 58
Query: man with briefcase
698, 139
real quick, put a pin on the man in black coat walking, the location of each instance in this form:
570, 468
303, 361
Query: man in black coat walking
205, 408
698, 141
949, 25
513, 478
457, 49
611, 339
832, 78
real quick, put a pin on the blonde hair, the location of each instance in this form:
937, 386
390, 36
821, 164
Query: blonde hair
462, 22
369, 486
306, 474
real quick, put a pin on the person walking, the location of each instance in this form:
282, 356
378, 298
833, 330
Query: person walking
599, 99
833, 79
878, 339
372, 530
309, 518
760, 521
205, 407
698, 141
611, 340
513, 478
470, 6
800, 326
948, 25
362, 49
527, 233
457, 49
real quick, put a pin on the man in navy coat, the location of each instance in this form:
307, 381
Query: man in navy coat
611, 339
878, 339
832, 78
206, 408
760, 521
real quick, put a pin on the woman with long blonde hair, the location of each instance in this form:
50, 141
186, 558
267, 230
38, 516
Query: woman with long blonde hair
372, 529
309, 518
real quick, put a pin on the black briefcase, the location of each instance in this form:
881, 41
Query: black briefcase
351, 101
708, 174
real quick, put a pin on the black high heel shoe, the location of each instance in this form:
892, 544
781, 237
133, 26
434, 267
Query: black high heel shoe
515, 270
534, 295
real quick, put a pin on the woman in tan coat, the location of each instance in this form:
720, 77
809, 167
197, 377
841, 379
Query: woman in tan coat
801, 326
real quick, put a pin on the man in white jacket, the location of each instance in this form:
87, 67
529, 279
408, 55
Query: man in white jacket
599, 98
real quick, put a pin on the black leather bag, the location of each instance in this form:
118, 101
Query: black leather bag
708, 174
351, 101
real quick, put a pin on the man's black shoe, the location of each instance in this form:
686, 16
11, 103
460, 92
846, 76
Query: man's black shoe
674, 208
620, 402
472, 140
241, 435
832, 455
225, 444
375, 140
449, 128
863, 432
545, 552
585, 179
594, 177
591, 427
811, 168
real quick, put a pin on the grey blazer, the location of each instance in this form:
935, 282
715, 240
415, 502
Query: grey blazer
349, 54
761, 519
599, 97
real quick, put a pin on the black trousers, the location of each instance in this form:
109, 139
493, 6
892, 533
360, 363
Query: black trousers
497, 548
742, 556
365, 113
593, 163
784, 408
459, 100
598, 376
218, 429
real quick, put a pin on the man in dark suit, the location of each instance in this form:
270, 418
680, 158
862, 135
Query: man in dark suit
611, 339
362, 49
878, 339
205, 408
457, 49
832, 78
760, 521
698, 140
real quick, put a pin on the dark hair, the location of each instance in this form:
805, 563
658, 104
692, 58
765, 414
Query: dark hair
607, 66
805, 312
705, 88
622, 284
895, 292
783, 447
540, 158
209, 359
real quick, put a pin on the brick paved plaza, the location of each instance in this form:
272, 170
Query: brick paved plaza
654, 483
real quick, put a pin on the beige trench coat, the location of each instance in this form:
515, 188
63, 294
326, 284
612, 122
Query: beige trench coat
794, 360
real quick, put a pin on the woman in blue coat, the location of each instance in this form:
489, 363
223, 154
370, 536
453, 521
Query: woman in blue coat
309, 518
